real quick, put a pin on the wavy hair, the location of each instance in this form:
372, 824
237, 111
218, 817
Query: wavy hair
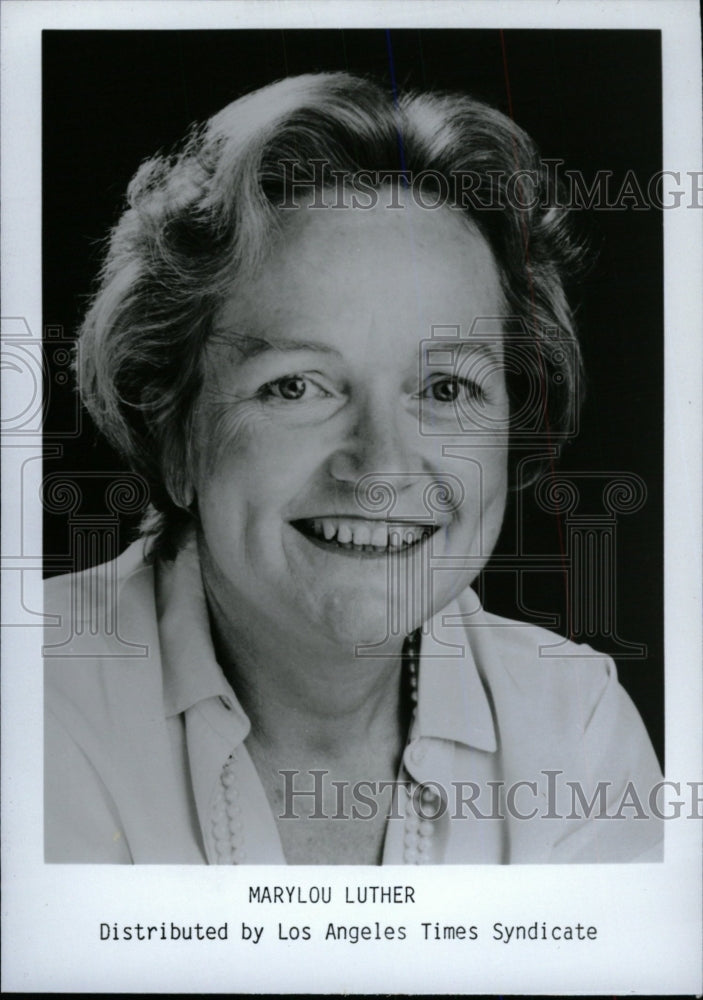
212, 210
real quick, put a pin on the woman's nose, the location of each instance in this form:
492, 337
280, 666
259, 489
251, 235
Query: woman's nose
382, 441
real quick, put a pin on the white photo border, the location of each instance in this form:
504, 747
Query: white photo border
649, 917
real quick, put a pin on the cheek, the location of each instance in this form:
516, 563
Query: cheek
259, 470
483, 474
496, 485
498, 470
481, 516
226, 437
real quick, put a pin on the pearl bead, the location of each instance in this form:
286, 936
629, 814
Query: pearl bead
412, 822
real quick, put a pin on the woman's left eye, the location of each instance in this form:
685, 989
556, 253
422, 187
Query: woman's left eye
449, 388
292, 388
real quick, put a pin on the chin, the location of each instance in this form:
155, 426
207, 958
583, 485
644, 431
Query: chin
354, 621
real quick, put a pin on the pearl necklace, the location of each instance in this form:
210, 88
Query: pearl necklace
227, 827
419, 831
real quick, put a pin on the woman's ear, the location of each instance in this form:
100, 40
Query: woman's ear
178, 467
179, 486
188, 495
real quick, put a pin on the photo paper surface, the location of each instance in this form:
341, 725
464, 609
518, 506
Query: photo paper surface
388, 343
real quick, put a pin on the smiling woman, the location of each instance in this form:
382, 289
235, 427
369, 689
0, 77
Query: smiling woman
340, 309
319, 350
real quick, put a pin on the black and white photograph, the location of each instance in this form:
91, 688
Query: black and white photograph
344, 532
331, 336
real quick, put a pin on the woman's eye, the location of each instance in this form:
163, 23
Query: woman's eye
292, 388
449, 389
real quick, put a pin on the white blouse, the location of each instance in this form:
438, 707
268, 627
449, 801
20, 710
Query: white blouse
538, 752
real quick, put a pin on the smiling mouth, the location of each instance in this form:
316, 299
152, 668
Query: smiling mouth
372, 537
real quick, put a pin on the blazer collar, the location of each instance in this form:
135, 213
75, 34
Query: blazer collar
191, 671
452, 701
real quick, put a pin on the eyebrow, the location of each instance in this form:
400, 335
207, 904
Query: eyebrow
439, 346
250, 346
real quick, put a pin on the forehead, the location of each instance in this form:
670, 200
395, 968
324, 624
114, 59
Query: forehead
341, 275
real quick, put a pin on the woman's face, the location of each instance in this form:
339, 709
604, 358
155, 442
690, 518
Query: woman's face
332, 425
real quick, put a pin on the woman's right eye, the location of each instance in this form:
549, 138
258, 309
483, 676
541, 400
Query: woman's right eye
449, 389
292, 388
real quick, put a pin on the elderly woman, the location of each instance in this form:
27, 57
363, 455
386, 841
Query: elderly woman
317, 332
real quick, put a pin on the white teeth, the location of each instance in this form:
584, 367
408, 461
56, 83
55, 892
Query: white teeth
362, 534
379, 536
344, 534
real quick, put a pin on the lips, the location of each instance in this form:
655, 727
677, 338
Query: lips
361, 535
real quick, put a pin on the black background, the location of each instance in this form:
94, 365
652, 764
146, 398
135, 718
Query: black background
590, 98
